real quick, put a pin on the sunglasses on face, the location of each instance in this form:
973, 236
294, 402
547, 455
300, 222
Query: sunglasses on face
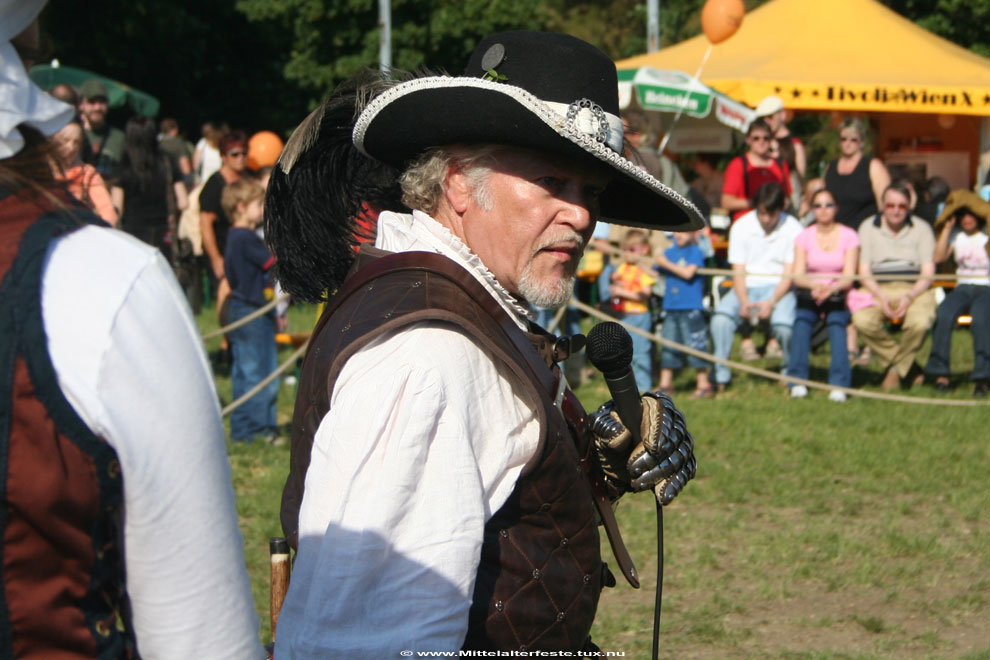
235, 154
759, 138
824, 205
898, 205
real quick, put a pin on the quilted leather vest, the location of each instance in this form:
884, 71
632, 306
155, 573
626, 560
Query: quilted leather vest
62, 568
540, 573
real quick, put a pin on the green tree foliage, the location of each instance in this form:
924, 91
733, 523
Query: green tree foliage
332, 39
262, 64
963, 22
201, 58
618, 27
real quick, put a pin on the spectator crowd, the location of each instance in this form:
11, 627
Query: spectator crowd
119, 394
186, 200
849, 257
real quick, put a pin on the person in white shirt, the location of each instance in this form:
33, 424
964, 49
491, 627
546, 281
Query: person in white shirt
761, 252
119, 533
962, 234
438, 497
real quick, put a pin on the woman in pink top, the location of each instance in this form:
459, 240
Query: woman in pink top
824, 248
83, 181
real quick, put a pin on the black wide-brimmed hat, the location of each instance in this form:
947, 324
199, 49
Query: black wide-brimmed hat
540, 90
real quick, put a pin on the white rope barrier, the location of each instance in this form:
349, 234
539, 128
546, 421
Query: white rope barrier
282, 368
650, 263
261, 311
556, 319
770, 374
652, 337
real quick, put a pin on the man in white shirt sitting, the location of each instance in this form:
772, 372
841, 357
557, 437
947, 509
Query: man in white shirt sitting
442, 474
761, 242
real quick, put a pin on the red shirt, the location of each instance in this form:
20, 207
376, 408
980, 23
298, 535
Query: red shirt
744, 179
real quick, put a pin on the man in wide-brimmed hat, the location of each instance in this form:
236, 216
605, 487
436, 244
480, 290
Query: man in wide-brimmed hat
442, 474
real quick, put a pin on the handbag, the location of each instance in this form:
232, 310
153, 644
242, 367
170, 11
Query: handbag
836, 299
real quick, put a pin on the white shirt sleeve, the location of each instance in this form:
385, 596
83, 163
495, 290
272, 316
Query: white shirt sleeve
129, 358
738, 241
423, 443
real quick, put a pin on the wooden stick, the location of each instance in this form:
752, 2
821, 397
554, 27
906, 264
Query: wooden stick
281, 573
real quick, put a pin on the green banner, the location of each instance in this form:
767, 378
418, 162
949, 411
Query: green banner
672, 99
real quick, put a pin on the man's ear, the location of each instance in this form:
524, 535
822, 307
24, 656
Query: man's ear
457, 189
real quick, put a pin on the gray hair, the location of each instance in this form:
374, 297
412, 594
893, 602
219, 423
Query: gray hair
423, 181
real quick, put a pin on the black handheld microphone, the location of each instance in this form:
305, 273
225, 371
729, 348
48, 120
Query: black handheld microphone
610, 350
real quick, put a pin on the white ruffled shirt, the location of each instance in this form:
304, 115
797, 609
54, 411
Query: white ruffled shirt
425, 439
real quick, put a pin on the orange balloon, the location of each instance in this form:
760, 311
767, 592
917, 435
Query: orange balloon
721, 18
264, 148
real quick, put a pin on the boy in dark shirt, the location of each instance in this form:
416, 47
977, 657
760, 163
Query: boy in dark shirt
247, 262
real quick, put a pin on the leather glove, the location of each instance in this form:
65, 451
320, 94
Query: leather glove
663, 461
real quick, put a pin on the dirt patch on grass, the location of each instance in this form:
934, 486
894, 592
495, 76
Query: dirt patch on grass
861, 622
815, 624
762, 584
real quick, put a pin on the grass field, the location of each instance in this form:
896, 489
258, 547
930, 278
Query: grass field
813, 531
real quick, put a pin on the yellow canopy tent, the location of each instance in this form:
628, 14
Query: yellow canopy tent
843, 55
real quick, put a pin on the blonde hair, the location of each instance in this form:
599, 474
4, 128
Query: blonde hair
635, 237
862, 129
242, 190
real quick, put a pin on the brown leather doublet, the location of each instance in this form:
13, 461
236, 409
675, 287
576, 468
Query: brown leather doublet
540, 574
62, 566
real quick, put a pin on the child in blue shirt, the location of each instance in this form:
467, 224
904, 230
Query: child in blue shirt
247, 262
684, 320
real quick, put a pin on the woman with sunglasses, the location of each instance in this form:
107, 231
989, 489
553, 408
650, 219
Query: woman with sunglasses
746, 173
826, 248
856, 179
213, 221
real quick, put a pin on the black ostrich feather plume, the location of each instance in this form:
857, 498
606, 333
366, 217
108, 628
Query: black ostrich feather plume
320, 184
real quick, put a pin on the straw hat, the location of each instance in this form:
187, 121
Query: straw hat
968, 199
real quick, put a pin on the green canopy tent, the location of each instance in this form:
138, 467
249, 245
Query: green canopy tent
47, 76
707, 117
